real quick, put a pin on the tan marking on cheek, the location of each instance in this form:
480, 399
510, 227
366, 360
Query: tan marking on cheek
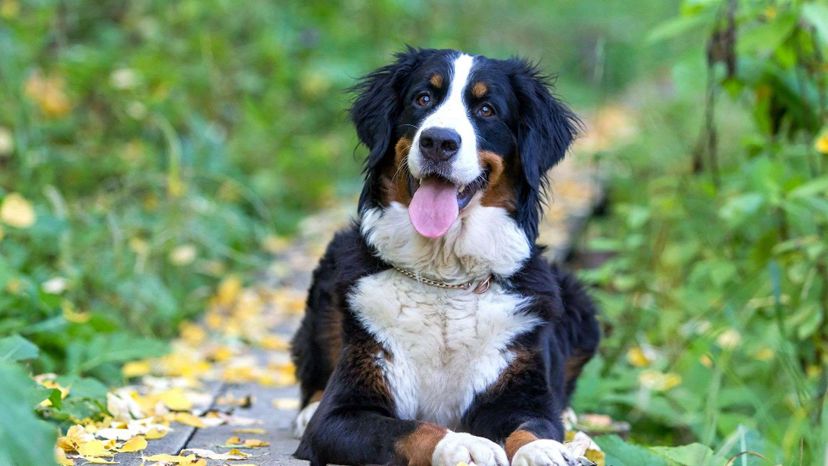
499, 192
395, 176
479, 89
436, 80
517, 439
416, 448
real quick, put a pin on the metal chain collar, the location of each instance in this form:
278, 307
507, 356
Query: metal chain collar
481, 287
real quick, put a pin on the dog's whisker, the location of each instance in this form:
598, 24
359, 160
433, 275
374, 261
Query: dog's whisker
403, 164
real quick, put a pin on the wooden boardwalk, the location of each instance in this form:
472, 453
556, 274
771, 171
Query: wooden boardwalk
254, 324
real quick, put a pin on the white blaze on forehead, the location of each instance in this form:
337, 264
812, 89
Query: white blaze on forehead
453, 114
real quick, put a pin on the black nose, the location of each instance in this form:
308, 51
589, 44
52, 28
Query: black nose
439, 144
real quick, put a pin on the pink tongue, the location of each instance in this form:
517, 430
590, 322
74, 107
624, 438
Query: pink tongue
434, 207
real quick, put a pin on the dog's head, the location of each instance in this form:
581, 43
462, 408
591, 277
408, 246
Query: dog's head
447, 131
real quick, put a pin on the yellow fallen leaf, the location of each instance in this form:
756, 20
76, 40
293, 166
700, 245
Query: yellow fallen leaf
17, 211
74, 437
188, 419
48, 93
228, 290
192, 333
136, 369
234, 440
222, 353
638, 357
659, 381
154, 434
176, 400
9, 9
237, 452
274, 244
232, 400
596, 457
65, 444
134, 444
255, 443
93, 448
821, 143
274, 342
60, 457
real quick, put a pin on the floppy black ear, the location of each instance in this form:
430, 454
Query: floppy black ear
545, 131
375, 113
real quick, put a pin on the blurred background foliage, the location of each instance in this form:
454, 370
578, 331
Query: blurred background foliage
150, 148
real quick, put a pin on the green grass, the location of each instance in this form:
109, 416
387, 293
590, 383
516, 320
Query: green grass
718, 275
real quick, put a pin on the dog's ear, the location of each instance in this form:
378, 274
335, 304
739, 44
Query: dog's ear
546, 129
376, 110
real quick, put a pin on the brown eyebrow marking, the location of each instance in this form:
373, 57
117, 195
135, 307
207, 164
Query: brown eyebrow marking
436, 80
479, 89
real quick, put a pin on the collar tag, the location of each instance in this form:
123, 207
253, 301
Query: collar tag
483, 286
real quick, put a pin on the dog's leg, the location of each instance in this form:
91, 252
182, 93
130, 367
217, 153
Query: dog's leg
523, 408
317, 343
300, 423
356, 422
578, 330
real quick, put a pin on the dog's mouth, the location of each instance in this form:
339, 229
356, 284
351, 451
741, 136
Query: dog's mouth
436, 202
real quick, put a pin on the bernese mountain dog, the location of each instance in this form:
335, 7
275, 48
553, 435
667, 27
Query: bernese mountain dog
435, 330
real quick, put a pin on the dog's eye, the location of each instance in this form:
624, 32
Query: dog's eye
423, 99
485, 111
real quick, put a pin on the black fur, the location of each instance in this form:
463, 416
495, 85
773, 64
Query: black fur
376, 113
545, 131
533, 133
356, 422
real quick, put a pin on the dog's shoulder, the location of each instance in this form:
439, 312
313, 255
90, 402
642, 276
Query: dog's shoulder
348, 258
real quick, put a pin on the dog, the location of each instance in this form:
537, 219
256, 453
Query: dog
435, 331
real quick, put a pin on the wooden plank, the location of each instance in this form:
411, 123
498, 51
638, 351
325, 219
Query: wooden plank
275, 418
172, 443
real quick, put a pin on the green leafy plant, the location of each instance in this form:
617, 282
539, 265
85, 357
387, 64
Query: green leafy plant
718, 287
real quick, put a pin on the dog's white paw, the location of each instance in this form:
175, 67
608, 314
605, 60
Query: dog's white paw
303, 418
458, 447
544, 453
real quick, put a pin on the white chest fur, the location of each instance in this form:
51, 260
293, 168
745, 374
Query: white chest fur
445, 345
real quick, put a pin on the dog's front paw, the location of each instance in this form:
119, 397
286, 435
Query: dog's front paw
303, 418
458, 447
544, 453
